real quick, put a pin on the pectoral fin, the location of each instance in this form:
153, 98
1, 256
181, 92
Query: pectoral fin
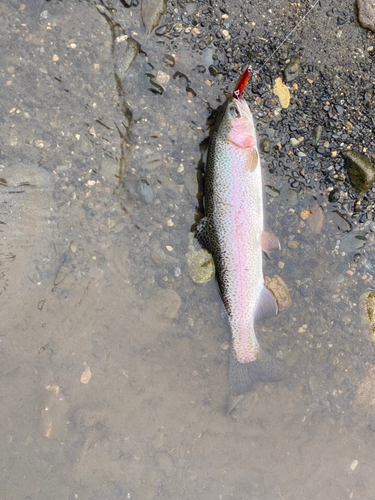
267, 306
269, 242
252, 160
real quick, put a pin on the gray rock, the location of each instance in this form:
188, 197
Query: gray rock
289, 219
265, 145
366, 14
334, 196
272, 191
151, 12
213, 70
352, 242
191, 8
289, 195
145, 191
168, 60
318, 129
360, 170
124, 53
293, 69
340, 221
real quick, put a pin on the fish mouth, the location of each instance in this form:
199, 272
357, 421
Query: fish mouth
242, 104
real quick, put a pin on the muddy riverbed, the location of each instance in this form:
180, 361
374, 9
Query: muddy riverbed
113, 362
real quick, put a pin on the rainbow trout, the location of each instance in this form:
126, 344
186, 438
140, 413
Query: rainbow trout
232, 230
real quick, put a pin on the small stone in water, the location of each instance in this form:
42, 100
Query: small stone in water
265, 145
352, 242
360, 170
317, 132
292, 69
316, 219
168, 60
86, 376
354, 464
292, 244
151, 12
294, 141
279, 288
200, 263
162, 78
340, 221
289, 195
334, 196
282, 92
213, 70
271, 191
145, 191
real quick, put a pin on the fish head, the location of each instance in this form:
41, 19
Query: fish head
240, 124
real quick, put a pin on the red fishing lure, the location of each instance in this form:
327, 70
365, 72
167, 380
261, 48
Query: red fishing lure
241, 84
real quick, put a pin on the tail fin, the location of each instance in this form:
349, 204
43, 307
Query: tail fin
243, 376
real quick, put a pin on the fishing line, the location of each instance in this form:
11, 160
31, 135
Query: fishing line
286, 38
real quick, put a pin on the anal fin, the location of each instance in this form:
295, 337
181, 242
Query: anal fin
266, 306
269, 242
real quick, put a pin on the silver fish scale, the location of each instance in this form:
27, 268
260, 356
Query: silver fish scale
234, 211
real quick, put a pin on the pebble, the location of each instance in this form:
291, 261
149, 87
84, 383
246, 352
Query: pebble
191, 8
293, 69
168, 60
354, 465
352, 242
151, 12
271, 191
162, 30
339, 109
289, 195
294, 142
162, 78
145, 191
289, 219
316, 219
282, 93
340, 221
265, 145
201, 267
293, 244
125, 52
366, 14
178, 27
86, 376
360, 170
213, 70
334, 196
318, 129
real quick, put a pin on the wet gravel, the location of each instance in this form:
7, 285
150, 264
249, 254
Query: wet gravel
112, 123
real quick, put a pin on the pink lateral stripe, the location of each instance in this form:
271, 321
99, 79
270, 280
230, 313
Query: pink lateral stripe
238, 216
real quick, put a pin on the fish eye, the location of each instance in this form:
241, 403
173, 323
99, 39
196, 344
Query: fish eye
234, 112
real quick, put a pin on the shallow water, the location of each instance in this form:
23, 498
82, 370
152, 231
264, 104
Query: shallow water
114, 363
